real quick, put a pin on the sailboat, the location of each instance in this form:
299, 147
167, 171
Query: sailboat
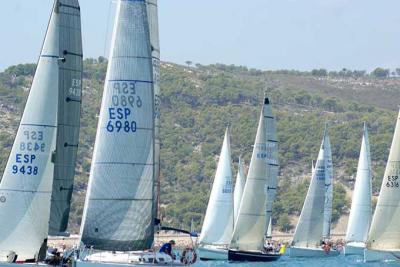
383, 243
218, 222
27, 190
361, 207
255, 209
313, 227
120, 203
238, 192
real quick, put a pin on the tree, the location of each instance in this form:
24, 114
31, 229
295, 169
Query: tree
189, 63
381, 73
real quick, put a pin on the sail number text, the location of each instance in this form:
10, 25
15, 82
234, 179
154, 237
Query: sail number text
25, 161
393, 181
123, 100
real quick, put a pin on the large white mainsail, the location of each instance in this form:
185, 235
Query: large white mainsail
361, 209
384, 233
152, 14
309, 230
326, 232
260, 188
218, 221
119, 210
69, 110
239, 187
26, 186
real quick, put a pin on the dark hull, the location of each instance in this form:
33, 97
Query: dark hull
237, 255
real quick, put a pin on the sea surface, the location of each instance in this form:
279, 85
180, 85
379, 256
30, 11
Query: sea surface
341, 260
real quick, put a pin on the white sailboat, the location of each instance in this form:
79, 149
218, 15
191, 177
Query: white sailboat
361, 207
239, 187
255, 209
218, 222
27, 190
383, 243
312, 225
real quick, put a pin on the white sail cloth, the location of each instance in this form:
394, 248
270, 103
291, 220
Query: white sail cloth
239, 187
119, 208
361, 209
384, 233
218, 221
309, 230
26, 186
260, 188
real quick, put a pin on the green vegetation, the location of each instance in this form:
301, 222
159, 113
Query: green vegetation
199, 101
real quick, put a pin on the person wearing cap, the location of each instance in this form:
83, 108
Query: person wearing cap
167, 248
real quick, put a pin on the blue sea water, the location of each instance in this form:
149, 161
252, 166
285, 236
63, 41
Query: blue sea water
285, 261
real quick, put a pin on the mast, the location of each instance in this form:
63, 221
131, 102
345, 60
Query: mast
361, 209
119, 208
217, 226
69, 110
26, 186
385, 232
260, 188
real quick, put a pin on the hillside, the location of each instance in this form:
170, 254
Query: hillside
197, 104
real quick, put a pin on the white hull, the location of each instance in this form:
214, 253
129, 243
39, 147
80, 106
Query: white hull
354, 249
381, 255
311, 252
212, 253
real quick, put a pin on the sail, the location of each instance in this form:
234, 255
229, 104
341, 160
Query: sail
260, 188
69, 109
361, 209
269, 231
218, 221
26, 186
152, 13
119, 212
326, 232
309, 228
385, 232
238, 192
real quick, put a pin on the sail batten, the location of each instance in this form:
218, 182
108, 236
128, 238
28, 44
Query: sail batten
254, 213
218, 221
119, 207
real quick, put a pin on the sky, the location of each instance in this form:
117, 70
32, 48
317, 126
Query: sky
263, 34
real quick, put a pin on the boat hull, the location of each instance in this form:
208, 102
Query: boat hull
238, 255
354, 249
381, 255
212, 253
311, 252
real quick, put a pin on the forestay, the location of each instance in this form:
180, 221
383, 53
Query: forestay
69, 109
309, 228
218, 221
361, 210
119, 210
260, 188
152, 14
238, 192
385, 231
26, 186
326, 232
